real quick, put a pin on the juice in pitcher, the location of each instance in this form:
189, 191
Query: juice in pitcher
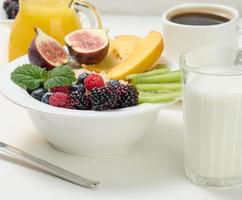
55, 17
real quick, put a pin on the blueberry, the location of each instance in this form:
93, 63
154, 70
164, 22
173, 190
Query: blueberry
81, 78
37, 94
79, 88
113, 83
45, 97
30, 90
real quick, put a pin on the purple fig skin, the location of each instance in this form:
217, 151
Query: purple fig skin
88, 58
37, 59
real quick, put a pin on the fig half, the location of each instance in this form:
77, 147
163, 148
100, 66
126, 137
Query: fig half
46, 52
88, 46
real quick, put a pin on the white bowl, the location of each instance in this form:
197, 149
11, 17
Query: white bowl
82, 132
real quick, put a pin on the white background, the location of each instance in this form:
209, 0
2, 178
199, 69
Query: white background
151, 170
153, 7
150, 6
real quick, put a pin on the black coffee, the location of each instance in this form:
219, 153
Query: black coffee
198, 19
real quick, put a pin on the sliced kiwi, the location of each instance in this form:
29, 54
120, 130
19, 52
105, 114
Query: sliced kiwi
159, 86
150, 73
163, 78
158, 98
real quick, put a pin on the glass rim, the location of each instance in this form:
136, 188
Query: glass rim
195, 70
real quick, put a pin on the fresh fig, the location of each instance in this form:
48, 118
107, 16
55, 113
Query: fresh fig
88, 46
46, 52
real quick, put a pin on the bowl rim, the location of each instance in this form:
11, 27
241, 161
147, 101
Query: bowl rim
20, 97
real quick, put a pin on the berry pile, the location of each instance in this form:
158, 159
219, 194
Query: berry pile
11, 8
90, 92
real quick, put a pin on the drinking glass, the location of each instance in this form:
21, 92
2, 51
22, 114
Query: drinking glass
212, 94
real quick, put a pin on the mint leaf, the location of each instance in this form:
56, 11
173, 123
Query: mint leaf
29, 76
60, 76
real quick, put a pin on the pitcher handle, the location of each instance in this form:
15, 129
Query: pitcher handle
89, 10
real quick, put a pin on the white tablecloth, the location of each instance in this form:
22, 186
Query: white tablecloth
152, 169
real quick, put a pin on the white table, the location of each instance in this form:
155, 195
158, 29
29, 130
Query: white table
152, 169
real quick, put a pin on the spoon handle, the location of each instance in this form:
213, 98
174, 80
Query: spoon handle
48, 167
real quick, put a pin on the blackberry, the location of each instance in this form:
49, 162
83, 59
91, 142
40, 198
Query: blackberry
6, 4
113, 83
11, 8
85, 104
128, 95
80, 100
103, 98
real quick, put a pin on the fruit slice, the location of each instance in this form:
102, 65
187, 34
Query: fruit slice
144, 56
88, 46
46, 52
163, 78
119, 49
125, 45
112, 58
158, 98
159, 86
150, 73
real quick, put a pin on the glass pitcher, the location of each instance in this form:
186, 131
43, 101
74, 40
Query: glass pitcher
55, 17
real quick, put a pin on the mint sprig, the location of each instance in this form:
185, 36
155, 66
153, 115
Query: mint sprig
60, 76
32, 76
29, 76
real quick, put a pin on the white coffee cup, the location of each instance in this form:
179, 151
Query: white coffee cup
180, 38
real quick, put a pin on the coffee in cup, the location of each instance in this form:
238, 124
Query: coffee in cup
193, 25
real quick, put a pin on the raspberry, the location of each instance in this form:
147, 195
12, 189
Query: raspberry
62, 89
59, 99
93, 81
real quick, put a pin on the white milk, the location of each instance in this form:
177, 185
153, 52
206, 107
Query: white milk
213, 124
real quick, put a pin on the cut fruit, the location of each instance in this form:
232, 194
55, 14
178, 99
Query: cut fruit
163, 78
119, 49
88, 46
144, 56
158, 87
150, 73
159, 98
46, 52
157, 92
125, 45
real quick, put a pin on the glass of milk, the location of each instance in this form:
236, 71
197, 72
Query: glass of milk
212, 89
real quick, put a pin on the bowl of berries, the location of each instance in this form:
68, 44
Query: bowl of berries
85, 112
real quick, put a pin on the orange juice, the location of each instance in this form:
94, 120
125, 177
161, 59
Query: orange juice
54, 17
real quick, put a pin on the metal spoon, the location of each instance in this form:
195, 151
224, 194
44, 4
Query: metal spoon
48, 167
